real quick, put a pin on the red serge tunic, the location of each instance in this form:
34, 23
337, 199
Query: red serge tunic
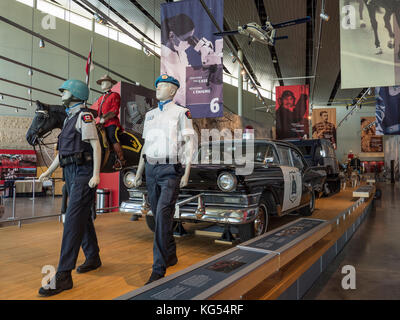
110, 101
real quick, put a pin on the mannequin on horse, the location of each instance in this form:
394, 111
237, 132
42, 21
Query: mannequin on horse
119, 147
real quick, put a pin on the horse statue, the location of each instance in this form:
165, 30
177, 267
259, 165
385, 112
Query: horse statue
50, 117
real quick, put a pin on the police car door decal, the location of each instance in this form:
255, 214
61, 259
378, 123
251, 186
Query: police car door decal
292, 187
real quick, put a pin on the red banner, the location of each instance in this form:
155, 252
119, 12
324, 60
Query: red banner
292, 112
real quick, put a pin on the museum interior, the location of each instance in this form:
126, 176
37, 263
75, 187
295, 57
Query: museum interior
199, 149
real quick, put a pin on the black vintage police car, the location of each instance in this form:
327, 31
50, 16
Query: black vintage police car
321, 154
280, 182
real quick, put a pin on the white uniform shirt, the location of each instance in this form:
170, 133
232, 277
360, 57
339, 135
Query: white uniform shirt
85, 123
164, 131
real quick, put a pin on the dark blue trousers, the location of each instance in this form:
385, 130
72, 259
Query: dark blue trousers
78, 226
162, 181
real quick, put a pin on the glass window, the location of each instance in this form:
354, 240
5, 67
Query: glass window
284, 156
297, 160
271, 156
27, 2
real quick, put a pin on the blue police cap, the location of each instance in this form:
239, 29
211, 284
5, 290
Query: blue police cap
167, 78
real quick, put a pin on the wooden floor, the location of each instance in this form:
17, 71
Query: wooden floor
126, 253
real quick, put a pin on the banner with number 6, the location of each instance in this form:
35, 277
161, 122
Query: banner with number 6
192, 54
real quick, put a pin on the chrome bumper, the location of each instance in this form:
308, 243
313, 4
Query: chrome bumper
203, 213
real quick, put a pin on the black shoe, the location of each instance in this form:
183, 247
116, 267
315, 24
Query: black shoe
154, 276
63, 281
89, 265
172, 261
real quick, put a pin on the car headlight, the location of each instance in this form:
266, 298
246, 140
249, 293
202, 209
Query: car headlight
129, 177
226, 181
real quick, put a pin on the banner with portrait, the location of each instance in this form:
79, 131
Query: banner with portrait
387, 110
324, 125
193, 55
370, 142
292, 111
369, 43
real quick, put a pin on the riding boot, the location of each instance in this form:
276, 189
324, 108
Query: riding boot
120, 162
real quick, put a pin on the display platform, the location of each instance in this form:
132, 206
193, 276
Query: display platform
127, 255
231, 274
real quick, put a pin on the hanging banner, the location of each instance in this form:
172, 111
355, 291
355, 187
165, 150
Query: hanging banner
387, 110
369, 43
292, 112
370, 142
193, 55
324, 125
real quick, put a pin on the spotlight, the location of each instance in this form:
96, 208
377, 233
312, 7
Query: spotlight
243, 72
29, 91
30, 72
324, 16
1, 97
41, 43
16, 110
234, 59
98, 19
147, 52
309, 117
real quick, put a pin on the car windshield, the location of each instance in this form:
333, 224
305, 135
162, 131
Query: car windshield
230, 153
305, 150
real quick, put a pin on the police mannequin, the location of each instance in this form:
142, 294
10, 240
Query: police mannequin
164, 176
166, 91
80, 157
108, 109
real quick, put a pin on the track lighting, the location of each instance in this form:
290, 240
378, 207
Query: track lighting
41, 43
147, 52
324, 16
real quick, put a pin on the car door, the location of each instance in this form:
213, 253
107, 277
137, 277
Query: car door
292, 180
306, 178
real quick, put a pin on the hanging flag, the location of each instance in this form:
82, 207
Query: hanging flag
324, 124
292, 112
192, 54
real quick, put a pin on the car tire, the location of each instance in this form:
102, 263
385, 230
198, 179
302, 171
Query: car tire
309, 209
151, 223
258, 226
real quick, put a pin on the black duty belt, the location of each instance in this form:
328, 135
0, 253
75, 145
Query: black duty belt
167, 160
79, 159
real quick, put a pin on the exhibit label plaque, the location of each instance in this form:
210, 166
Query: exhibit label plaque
277, 240
209, 277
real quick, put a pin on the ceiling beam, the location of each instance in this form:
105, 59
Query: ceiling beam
311, 7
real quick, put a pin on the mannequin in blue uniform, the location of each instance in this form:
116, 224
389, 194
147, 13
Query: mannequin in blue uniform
79, 155
169, 144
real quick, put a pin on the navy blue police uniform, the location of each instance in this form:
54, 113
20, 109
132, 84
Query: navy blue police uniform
164, 131
76, 159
